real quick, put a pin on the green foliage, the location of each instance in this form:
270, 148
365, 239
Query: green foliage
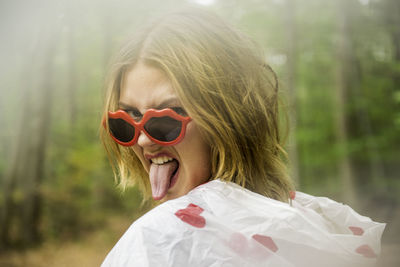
79, 192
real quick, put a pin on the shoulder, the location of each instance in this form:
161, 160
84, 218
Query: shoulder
222, 223
168, 228
188, 231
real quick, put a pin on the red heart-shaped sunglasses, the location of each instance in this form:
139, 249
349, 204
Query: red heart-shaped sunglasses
164, 127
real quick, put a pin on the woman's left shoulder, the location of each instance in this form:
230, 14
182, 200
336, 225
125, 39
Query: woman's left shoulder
222, 223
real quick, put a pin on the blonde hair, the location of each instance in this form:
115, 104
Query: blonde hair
223, 83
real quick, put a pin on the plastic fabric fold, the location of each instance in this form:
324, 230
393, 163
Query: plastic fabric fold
222, 224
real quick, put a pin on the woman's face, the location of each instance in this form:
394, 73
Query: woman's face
173, 170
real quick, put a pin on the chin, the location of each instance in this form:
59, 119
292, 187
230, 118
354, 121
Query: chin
170, 196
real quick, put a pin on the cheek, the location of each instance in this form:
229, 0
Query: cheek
196, 155
205, 164
200, 166
139, 155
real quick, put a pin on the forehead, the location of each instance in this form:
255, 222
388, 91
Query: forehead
145, 87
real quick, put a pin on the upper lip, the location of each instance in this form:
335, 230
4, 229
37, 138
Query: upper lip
161, 154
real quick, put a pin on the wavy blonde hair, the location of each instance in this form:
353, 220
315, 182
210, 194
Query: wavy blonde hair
222, 81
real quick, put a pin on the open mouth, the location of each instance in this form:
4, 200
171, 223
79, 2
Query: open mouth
174, 175
163, 174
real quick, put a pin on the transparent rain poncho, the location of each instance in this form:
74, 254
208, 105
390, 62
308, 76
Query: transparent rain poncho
223, 224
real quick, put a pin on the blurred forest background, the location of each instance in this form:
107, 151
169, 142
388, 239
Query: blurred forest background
339, 66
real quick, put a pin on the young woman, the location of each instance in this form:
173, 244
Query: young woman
191, 117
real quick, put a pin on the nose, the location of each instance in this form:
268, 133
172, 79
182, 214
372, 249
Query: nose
144, 140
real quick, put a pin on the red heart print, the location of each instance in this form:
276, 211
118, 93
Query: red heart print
356, 230
366, 251
292, 195
266, 241
191, 215
238, 243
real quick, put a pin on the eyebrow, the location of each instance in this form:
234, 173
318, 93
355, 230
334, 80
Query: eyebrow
165, 104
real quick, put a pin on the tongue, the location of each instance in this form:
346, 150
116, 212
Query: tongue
160, 177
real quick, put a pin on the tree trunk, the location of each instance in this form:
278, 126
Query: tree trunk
15, 169
22, 203
291, 52
391, 15
39, 141
72, 65
343, 76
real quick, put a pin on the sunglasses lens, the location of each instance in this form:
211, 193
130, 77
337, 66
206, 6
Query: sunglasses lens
164, 129
121, 130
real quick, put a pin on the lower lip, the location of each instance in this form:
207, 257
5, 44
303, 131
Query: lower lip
174, 178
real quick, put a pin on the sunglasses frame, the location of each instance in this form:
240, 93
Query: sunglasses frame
139, 126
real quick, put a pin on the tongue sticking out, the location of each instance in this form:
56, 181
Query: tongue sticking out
160, 178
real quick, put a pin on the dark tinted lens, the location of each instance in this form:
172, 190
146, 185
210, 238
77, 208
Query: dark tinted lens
121, 130
164, 129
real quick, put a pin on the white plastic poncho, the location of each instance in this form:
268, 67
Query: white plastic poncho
222, 224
